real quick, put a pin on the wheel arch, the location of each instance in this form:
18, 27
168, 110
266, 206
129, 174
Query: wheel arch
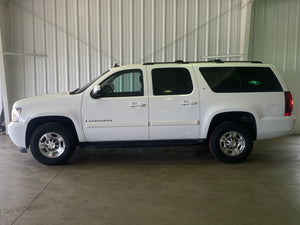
36, 122
245, 118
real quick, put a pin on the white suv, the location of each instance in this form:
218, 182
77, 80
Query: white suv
230, 104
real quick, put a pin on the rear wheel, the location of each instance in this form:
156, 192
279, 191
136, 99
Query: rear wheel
231, 142
52, 143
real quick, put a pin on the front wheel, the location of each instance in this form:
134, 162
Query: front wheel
231, 142
52, 143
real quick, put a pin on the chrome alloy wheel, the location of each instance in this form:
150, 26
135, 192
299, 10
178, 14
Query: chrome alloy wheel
52, 145
232, 143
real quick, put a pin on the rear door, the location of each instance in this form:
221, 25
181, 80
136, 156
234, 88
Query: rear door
173, 102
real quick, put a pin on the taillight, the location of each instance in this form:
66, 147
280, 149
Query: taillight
288, 103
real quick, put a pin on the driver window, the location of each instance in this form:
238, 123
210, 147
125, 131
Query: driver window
123, 84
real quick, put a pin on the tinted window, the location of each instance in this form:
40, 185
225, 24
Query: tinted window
171, 81
124, 83
241, 79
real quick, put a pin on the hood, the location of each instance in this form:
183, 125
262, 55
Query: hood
42, 98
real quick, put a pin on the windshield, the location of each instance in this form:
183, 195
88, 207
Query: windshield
82, 89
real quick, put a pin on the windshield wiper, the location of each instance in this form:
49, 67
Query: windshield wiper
74, 92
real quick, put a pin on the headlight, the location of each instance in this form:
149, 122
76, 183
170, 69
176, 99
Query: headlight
15, 114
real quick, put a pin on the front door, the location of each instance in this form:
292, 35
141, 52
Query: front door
173, 103
121, 113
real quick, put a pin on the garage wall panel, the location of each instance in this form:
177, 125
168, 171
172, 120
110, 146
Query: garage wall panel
16, 78
61, 37
275, 39
224, 24
148, 30
84, 44
72, 44
234, 27
4, 27
116, 30
66, 43
94, 38
50, 46
39, 34
202, 29
159, 30
137, 30
29, 47
105, 34
191, 32
125, 31
180, 28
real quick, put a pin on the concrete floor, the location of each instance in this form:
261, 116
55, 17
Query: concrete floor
173, 185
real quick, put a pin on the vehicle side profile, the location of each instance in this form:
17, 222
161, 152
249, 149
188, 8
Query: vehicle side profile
227, 104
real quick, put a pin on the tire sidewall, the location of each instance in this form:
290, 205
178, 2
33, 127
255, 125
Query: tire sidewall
219, 131
60, 129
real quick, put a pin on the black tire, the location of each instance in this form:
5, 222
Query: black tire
231, 142
52, 143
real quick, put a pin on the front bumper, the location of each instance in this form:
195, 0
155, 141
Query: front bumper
17, 133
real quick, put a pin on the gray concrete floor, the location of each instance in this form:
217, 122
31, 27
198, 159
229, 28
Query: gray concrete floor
165, 185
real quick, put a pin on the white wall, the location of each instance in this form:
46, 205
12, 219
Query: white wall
83, 38
3, 30
2, 27
275, 39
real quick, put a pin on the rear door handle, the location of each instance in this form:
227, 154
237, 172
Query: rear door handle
188, 103
137, 105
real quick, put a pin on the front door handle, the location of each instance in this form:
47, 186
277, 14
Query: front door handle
188, 103
137, 105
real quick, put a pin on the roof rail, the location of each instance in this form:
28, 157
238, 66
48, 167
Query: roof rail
216, 60
209, 61
180, 61
242, 62
256, 62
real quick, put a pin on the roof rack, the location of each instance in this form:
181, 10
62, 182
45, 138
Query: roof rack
216, 60
221, 61
176, 61
209, 61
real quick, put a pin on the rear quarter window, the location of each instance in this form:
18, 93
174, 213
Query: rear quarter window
241, 79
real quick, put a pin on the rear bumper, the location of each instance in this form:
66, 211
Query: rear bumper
16, 132
275, 127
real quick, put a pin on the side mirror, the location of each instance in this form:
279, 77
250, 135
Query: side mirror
96, 92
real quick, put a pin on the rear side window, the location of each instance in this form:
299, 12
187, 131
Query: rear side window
171, 81
241, 79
